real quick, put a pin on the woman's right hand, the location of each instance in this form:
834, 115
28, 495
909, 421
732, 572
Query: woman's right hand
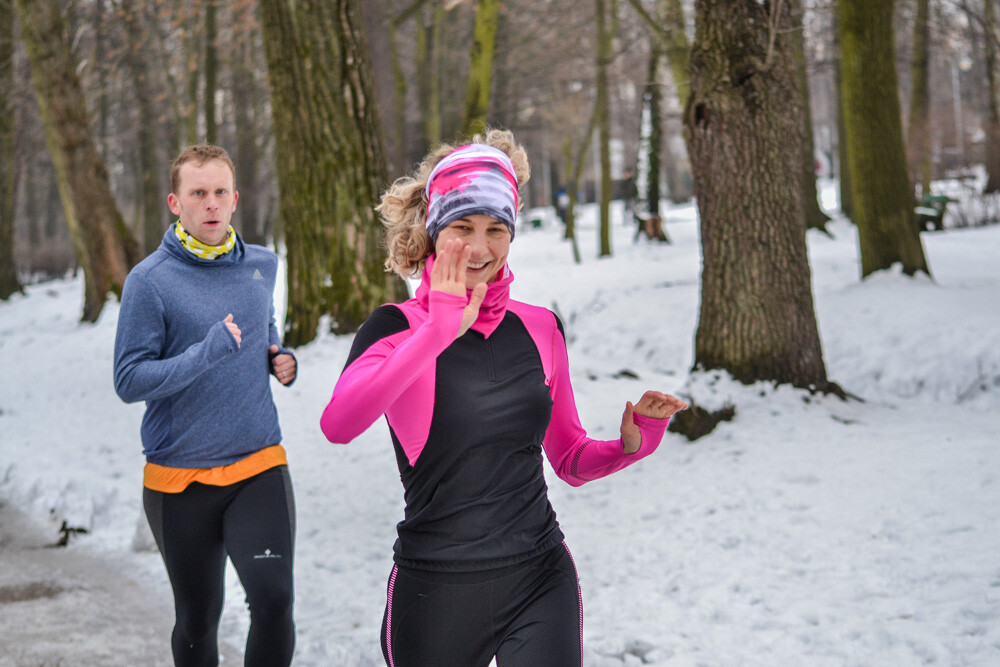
448, 276
448, 272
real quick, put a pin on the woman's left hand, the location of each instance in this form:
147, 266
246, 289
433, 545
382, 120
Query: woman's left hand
653, 404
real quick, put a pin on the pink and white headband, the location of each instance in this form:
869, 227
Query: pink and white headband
472, 179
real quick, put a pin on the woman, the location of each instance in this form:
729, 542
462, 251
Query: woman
474, 385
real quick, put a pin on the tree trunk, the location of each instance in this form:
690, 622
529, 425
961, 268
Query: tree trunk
678, 48
101, 43
480, 81
104, 246
149, 168
678, 56
843, 164
744, 123
429, 48
9, 283
651, 133
194, 68
918, 128
993, 90
211, 73
883, 200
815, 217
605, 51
573, 170
330, 164
245, 113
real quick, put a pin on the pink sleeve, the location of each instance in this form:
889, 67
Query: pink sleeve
372, 383
576, 458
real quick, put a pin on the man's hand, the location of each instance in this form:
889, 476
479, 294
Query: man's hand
653, 404
284, 366
233, 329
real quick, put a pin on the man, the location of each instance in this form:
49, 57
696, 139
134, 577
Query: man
196, 341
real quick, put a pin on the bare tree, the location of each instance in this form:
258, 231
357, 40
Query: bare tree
104, 246
993, 102
149, 166
607, 21
814, 216
211, 71
918, 127
479, 84
9, 283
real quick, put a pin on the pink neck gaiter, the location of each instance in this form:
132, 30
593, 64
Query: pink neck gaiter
494, 305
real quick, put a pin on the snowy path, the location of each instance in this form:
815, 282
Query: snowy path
71, 606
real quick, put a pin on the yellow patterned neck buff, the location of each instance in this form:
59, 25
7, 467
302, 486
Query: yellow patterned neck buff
203, 250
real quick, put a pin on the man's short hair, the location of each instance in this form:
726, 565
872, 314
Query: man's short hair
199, 155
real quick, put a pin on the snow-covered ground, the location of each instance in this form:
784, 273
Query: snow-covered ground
807, 531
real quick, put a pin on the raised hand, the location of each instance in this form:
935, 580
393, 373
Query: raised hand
653, 404
233, 329
450, 264
448, 275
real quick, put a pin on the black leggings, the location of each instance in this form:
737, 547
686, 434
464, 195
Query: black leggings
526, 615
252, 521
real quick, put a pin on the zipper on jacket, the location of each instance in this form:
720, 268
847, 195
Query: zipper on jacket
490, 362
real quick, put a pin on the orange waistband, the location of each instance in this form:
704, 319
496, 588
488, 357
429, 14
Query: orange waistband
174, 480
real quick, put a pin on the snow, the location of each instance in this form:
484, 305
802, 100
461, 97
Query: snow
808, 530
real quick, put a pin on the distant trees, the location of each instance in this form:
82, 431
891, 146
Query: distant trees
158, 75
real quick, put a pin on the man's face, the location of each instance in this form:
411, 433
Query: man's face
205, 200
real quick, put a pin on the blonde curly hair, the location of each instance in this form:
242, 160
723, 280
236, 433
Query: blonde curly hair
403, 208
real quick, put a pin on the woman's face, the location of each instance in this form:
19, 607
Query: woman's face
490, 242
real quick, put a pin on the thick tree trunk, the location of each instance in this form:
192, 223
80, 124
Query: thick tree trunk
9, 283
479, 83
883, 200
744, 124
104, 246
330, 164
993, 91
918, 146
